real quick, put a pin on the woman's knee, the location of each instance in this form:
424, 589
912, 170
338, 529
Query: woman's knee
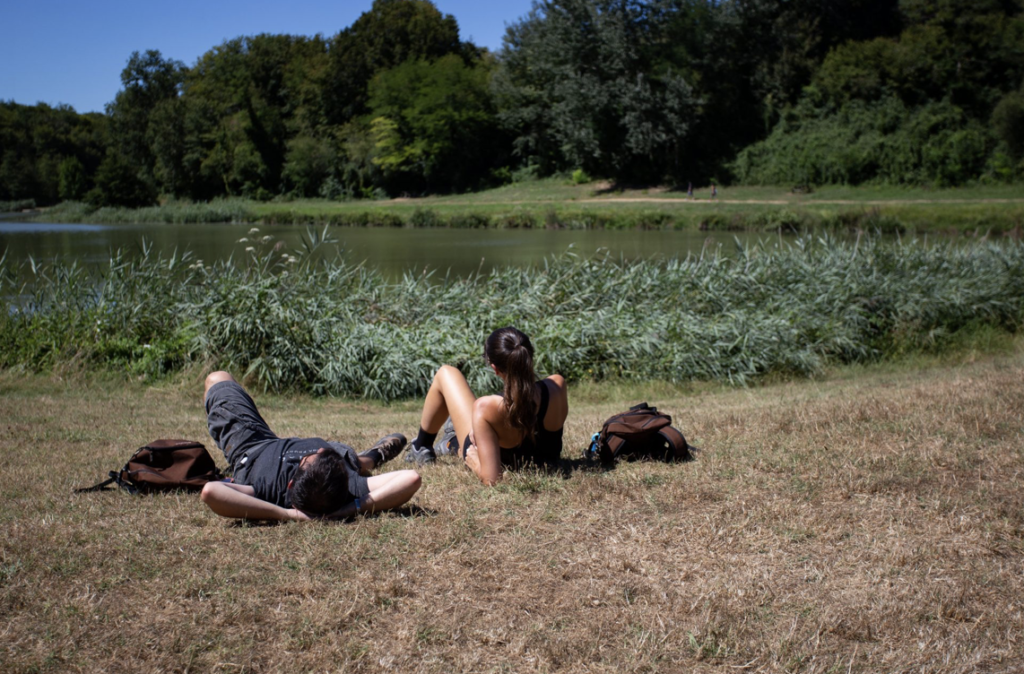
446, 371
449, 374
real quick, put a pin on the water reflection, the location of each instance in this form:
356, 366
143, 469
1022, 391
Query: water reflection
392, 250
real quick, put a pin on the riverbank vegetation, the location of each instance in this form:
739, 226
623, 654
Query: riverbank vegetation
798, 93
555, 203
293, 320
867, 521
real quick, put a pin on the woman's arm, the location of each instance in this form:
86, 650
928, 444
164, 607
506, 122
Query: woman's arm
485, 461
558, 407
239, 501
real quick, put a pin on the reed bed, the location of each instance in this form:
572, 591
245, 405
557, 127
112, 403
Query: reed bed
301, 321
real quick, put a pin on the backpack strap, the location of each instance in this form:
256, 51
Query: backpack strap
97, 487
615, 444
680, 449
115, 476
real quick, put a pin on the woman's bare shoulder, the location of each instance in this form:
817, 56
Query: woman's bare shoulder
556, 380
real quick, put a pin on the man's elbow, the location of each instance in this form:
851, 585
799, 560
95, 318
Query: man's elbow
209, 493
411, 482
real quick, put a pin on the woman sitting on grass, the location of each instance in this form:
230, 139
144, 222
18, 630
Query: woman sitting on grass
521, 426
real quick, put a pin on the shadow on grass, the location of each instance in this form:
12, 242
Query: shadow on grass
403, 511
568, 467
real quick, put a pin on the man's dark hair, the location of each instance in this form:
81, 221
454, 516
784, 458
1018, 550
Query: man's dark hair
322, 488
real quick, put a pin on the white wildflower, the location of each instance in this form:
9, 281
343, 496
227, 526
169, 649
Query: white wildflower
249, 249
254, 230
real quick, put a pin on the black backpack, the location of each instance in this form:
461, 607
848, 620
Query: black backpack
164, 465
642, 432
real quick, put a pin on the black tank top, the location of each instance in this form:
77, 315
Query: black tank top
545, 449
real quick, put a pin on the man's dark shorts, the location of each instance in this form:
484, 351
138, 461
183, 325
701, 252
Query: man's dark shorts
235, 424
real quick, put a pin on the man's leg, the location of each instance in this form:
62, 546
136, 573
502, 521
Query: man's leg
232, 418
383, 450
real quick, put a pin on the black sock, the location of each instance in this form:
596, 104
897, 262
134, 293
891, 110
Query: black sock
375, 456
424, 439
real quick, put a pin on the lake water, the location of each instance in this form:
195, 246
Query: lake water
392, 250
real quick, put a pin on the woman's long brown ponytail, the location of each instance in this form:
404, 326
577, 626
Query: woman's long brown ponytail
511, 351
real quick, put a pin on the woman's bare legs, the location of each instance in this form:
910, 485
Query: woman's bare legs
449, 396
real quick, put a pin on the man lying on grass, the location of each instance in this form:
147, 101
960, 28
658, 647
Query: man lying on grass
294, 478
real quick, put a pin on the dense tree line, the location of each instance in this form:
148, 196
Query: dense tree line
759, 91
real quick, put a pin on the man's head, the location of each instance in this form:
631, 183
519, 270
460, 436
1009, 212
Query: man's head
320, 483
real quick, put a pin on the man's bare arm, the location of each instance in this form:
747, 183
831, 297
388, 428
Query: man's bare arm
238, 501
388, 490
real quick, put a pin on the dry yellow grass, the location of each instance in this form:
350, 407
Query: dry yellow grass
862, 523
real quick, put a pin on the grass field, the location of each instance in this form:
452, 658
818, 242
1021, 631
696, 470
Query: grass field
869, 520
554, 202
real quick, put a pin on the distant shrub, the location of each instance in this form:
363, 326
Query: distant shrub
469, 221
383, 219
580, 177
17, 205
870, 220
884, 141
516, 220
526, 173
425, 217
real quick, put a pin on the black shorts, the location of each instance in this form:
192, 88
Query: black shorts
234, 422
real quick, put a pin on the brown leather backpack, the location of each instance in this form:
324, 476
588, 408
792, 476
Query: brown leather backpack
164, 465
642, 432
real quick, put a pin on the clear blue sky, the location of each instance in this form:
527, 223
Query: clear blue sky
73, 51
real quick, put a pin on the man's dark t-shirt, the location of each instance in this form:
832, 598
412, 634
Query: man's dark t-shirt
270, 469
257, 456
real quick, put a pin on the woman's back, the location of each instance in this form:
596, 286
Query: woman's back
551, 410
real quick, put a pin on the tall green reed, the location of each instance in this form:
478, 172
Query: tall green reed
303, 320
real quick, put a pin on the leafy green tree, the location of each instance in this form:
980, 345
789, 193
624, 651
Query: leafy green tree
912, 108
882, 141
579, 89
1008, 122
118, 183
72, 179
149, 81
434, 125
309, 162
357, 172
17, 177
35, 140
390, 33
244, 102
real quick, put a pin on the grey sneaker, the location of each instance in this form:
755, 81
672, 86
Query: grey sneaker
389, 446
447, 443
420, 455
